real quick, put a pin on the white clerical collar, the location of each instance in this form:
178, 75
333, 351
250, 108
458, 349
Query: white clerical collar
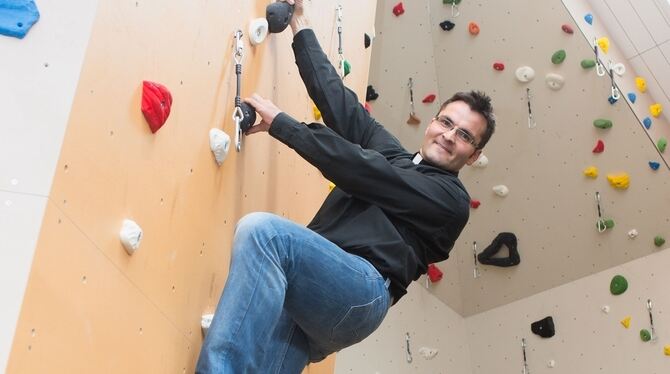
417, 159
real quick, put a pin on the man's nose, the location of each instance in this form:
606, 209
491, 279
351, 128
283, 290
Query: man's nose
449, 134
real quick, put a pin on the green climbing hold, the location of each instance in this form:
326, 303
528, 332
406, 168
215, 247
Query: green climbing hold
605, 224
588, 64
602, 123
645, 335
661, 144
659, 241
609, 223
452, 2
618, 285
558, 57
347, 68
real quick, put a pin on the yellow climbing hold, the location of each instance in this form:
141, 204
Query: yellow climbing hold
331, 186
317, 113
626, 322
666, 350
641, 84
591, 172
656, 109
604, 44
619, 181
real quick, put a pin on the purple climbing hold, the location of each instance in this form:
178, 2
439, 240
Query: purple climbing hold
647, 122
632, 97
17, 17
654, 165
589, 18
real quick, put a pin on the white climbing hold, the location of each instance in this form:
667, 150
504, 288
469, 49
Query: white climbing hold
481, 162
554, 81
219, 142
633, 234
619, 69
525, 74
428, 353
131, 236
258, 30
551, 363
501, 190
605, 309
205, 322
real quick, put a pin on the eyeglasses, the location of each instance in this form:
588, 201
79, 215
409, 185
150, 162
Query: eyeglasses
460, 133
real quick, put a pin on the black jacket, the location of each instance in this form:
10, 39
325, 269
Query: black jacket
398, 215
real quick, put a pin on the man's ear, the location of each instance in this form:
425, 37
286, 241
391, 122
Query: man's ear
474, 156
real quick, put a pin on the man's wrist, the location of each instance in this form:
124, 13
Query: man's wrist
299, 23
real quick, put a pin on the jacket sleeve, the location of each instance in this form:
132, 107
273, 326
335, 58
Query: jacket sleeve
418, 199
338, 104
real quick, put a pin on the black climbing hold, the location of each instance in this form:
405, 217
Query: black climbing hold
249, 116
447, 25
371, 94
507, 239
367, 41
543, 327
278, 15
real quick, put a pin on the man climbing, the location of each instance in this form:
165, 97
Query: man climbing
296, 294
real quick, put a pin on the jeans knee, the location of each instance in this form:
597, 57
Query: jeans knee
253, 224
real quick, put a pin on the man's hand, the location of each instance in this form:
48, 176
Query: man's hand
266, 109
299, 20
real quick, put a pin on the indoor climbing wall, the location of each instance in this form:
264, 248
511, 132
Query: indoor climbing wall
89, 305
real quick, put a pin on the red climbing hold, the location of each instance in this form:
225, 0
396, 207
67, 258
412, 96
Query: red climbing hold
600, 147
434, 273
567, 29
499, 66
398, 9
367, 107
474, 204
429, 98
156, 103
473, 28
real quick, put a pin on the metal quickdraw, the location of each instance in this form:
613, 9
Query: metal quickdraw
413, 118
525, 369
454, 8
600, 222
238, 115
338, 9
616, 95
600, 68
531, 120
475, 271
409, 352
654, 337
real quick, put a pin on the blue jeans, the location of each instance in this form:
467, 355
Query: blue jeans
291, 297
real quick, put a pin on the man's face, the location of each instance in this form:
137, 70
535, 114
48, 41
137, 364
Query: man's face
443, 147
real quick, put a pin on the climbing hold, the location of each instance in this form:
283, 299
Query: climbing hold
447, 25
551, 363
525, 74
206, 322
626, 322
618, 285
481, 162
605, 309
632, 97
429, 98
543, 327
474, 204
367, 107
413, 119
661, 144
602, 123
434, 273
219, 143
371, 94
507, 239
317, 112
647, 122
156, 104
645, 335
641, 84
499, 66
367, 41
347, 67
588, 18
17, 17
587, 63
473, 28
558, 57
248, 117
591, 172
666, 350
659, 241
567, 29
619, 69
619, 181
398, 9
600, 147
609, 224
428, 353
331, 186
654, 165
632, 234
130, 235
278, 16
451, 2
656, 109
258, 30
604, 44
554, 81
501, 190
612, 100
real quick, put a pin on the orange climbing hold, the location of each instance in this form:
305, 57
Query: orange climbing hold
473, 28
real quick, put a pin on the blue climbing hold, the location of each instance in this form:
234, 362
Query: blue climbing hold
17, 17
612, 100
589, 18
632, 97
654, 165
647, 122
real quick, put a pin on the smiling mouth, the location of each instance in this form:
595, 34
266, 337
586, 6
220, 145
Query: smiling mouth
443, 147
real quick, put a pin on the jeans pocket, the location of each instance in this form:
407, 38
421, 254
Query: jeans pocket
359, 322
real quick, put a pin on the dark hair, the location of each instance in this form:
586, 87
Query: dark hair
479, 102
